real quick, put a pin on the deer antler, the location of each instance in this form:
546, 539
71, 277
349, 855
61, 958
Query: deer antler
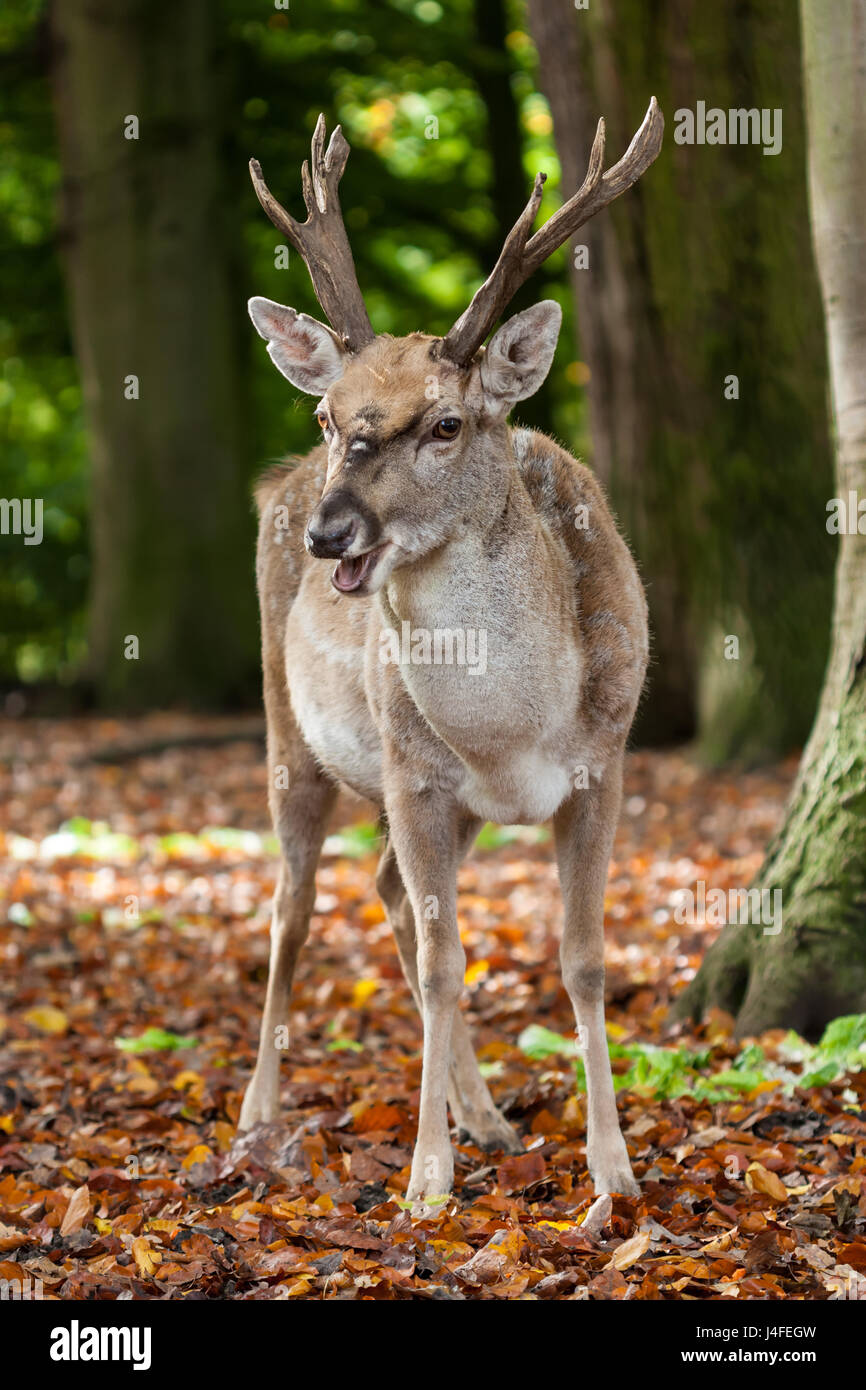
520, 257
322, 240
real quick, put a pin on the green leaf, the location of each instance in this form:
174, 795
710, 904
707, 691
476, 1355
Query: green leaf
154, 1040
493, 836
538, 1043
844, 1034
356, 841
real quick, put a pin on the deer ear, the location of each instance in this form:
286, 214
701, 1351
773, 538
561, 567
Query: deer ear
304, 350
519, 354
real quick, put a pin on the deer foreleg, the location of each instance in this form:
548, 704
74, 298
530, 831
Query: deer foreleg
427, 836
584, 829
471, 1103
300, 814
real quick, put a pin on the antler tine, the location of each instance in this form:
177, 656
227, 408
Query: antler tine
519, 257
281, 219
322, 240
598, 193
462, 341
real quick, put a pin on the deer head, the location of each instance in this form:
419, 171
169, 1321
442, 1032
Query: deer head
415, 427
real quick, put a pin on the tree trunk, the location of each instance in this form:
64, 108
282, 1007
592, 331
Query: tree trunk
150, 300
616, 325
815, 968
689, 280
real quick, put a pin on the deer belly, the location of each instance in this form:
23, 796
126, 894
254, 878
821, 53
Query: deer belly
346, 748
326, 692
523, 789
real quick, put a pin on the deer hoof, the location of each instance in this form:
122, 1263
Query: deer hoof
258, 1108
611, 1172
492, 1133
620, 1179
431, 1182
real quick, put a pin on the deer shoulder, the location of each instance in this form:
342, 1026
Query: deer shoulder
610, 607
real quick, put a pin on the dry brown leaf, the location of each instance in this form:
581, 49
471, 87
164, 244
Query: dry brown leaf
494, 1260
630, 1251
760, 1179
77, 1212
720, 1243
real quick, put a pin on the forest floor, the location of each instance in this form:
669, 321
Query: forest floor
134, 902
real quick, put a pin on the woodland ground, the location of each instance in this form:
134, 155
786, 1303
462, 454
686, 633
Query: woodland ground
134, 899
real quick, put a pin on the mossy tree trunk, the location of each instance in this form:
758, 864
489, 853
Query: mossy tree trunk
143, 216
815, 968
703, 272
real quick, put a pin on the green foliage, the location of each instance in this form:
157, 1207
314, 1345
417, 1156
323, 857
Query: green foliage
356, 841
495, 836
668, 1072
42, 445
155, 1040
419, 211
842, 1049
86, 839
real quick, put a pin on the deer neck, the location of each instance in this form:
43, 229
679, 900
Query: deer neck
485, 634
498, 582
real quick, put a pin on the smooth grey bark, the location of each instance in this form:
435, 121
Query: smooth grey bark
815, 968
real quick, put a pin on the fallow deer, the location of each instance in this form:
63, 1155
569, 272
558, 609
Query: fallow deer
442, 516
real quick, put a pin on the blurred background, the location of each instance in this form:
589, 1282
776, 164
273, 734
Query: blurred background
138, 402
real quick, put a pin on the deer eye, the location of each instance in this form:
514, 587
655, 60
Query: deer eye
321, 420
447, 428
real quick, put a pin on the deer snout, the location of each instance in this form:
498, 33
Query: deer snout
331, 529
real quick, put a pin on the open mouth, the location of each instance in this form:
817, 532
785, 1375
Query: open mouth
353, 571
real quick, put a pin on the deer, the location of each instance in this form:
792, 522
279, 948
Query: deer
433, 511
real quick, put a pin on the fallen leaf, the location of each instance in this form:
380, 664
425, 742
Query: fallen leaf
77, 1212
491, 1263
760, 1179
630, 1251
198, 1154
46, 1019
146, 1258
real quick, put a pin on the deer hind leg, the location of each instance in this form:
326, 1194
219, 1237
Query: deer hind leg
584, 829
300, 813
472, 1106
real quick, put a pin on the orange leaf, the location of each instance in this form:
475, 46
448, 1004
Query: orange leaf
760, 1179
519, 1170
378, 1117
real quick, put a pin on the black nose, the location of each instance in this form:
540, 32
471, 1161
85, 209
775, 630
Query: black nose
330, 537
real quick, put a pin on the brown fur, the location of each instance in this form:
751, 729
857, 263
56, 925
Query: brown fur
499, 530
